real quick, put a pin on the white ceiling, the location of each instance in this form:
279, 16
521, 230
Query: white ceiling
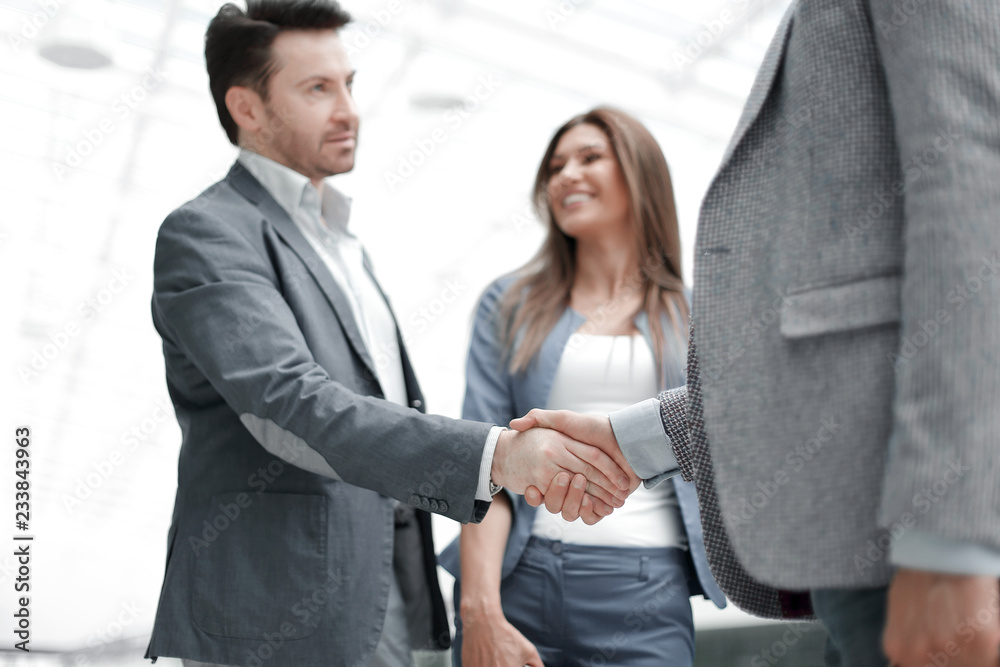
93, 160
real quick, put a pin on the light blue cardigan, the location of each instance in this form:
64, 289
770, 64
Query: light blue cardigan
494, 395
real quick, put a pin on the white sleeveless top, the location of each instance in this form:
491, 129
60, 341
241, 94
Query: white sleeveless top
597, 375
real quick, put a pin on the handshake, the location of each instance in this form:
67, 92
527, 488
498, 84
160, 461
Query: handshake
569, 461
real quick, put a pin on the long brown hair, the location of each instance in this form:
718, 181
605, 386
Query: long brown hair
537, 299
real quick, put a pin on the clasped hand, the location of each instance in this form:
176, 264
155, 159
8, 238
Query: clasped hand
569, 461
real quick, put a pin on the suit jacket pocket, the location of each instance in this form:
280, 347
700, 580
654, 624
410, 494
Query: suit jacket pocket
858, 305
253, 579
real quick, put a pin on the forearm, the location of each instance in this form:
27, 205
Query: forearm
481, 551
649, 443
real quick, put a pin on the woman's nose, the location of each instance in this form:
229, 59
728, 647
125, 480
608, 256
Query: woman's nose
569, 172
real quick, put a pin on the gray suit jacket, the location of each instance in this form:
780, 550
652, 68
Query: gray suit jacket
281, 544
844, 368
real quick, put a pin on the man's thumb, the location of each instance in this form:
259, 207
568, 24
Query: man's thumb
528, 421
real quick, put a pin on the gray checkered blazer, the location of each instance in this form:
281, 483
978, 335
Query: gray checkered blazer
844, 370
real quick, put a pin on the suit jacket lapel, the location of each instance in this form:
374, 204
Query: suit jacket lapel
762, 84
244, 182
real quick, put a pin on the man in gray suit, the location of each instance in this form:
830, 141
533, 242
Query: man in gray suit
287, 547
841, 418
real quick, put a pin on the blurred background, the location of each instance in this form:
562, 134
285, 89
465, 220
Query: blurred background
108, 125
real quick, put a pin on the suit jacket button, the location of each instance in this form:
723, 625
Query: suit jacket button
415, 500
416, 403
425, 504
434, 505
442, 506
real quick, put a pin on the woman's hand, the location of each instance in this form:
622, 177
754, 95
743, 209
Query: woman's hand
488, 640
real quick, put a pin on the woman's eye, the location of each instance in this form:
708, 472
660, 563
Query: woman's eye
591, 157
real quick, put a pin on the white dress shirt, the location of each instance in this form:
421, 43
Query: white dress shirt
600, 375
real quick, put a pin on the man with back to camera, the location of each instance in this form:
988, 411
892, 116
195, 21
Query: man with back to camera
841, 418
286, 547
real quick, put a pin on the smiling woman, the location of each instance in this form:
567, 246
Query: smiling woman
623, 212
596, 321
586, 191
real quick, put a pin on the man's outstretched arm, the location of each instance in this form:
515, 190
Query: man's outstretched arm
217, 303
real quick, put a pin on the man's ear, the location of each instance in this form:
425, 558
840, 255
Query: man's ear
246, 108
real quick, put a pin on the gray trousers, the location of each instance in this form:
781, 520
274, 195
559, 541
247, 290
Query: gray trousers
854, 620
598, 605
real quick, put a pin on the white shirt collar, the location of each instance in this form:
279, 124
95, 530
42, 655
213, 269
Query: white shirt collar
295, 194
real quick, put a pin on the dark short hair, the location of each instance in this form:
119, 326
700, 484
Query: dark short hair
238, 44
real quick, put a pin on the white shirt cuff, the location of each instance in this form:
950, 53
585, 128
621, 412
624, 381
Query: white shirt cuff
486, 466
642, 439
918, 550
